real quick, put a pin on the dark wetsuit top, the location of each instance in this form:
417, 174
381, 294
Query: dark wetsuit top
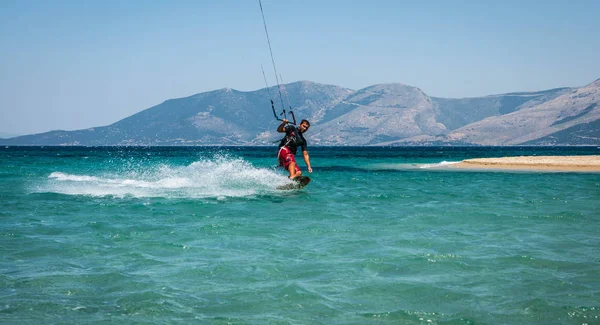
293, 139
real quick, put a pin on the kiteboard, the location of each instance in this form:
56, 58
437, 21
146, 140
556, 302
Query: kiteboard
298, 183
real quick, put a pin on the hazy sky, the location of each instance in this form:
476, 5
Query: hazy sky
77, 64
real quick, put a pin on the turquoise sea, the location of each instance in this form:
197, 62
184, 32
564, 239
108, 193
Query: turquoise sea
201, 235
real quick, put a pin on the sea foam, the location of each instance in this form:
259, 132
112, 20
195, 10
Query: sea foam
410, 166
216, 177
437, 165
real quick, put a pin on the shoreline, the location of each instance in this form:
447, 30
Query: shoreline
529, 163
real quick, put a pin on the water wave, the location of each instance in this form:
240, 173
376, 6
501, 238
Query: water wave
216, 177
437, 165
411, 166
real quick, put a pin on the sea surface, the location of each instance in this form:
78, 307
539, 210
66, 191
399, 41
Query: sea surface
201, 235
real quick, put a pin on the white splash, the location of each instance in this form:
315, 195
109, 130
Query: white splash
218, 177
437, 165
410, 166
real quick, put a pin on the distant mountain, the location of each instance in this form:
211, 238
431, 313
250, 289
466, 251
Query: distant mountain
562, 116
385, 114
378, 114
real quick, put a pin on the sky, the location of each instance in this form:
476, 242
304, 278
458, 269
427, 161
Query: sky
72, 65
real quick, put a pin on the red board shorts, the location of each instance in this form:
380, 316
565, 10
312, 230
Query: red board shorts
286, 157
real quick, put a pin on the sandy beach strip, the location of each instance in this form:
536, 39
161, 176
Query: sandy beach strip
550, 163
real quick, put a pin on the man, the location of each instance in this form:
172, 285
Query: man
289, 145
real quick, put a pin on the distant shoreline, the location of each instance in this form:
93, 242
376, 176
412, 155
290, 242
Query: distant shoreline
550, 163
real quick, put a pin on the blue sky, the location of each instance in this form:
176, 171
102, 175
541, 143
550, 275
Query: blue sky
78, 64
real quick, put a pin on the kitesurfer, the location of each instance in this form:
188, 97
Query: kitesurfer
294, 138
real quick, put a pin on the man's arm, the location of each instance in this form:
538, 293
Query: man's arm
307, 160
281, 128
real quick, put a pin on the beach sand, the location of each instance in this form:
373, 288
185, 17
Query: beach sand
550, 163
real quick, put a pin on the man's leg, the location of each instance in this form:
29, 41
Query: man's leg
294, 172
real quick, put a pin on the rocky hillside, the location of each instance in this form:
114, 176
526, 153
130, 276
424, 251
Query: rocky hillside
385, 114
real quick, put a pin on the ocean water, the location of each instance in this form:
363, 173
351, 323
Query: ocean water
166, 235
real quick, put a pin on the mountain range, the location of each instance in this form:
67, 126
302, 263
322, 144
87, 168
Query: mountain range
381, 115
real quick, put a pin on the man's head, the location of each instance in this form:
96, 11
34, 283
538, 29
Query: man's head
304, 125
